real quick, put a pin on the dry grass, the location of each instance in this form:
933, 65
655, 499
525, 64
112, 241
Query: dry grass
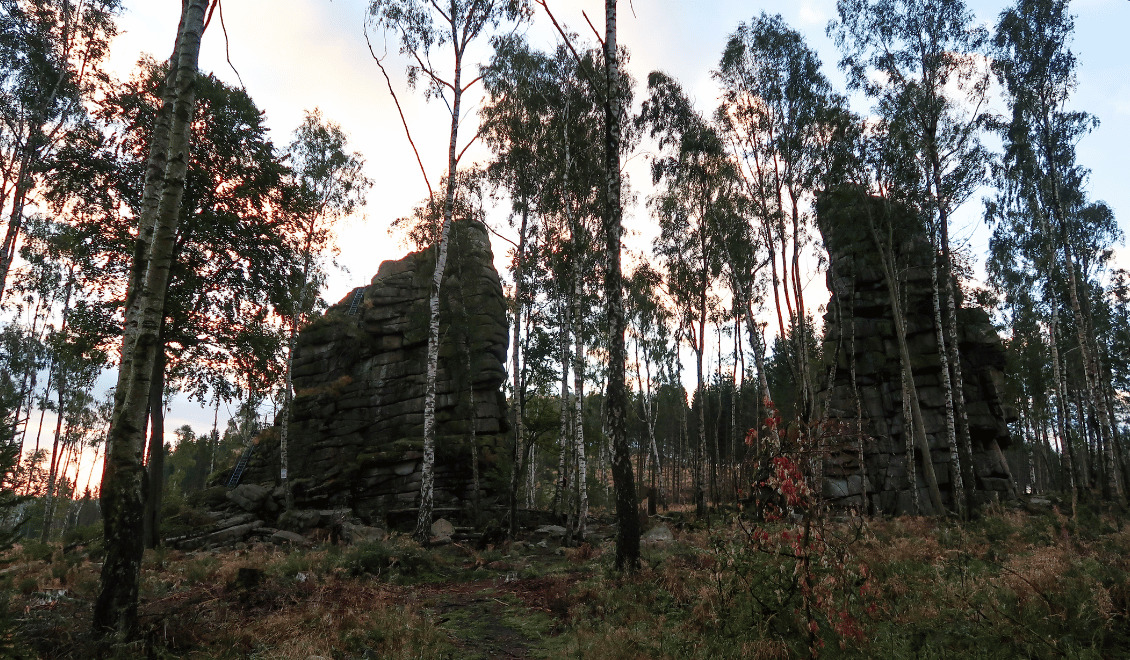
1018, 584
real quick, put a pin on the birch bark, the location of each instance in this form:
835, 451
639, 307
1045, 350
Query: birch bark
628, 532
115, 613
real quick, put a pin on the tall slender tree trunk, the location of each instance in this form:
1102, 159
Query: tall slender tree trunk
155, 469
578, 409
288, 381
628, 532
735, 398
562, 484
862, 455
1061, 409
649, 420
214, 441
427, 467
700, 450
33, 149
26, 400
957, 488
16, 219
957, 380
61, 389
115, 613
909, 386
531, 474
803, 349
517, 398
53, 469
1113, 483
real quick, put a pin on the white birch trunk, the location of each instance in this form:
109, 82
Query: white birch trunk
628, 532
562, 484
427, 465
115, 613
909, 386
515, 371
578, 411
957, 489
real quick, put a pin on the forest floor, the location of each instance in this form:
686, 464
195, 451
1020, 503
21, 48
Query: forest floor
1019, 582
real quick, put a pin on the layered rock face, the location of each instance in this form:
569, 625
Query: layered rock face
860, 337
356, 424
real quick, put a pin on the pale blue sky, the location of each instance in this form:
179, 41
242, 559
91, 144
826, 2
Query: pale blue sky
298, 54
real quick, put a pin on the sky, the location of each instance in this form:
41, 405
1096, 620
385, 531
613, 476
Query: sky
295, 55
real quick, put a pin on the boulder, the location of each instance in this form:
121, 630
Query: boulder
283, 537
249, 497
299, 520
552, 531
658, 535
442, 531
224, 537
351, 533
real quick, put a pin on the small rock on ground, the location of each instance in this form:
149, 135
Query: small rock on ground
442, 531
658, 534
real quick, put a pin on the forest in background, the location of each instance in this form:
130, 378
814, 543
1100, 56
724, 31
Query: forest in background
719, 302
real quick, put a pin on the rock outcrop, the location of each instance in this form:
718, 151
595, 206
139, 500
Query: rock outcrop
356, 424
860, 340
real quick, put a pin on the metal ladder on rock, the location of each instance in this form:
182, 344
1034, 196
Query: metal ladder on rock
356, 304
237, 472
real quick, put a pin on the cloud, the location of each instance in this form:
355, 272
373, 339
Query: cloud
814, 13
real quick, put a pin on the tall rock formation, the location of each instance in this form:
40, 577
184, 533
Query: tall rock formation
356, 427
860, 338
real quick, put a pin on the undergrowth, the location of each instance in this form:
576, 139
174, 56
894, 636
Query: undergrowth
1009, 585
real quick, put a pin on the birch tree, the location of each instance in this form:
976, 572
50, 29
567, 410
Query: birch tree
115, 612
650, 330
781, 116
695, 214
422, 28
543, 123
628, 526
51, 57
931, 86
1044, 223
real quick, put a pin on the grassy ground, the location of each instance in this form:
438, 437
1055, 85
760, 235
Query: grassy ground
1012, 584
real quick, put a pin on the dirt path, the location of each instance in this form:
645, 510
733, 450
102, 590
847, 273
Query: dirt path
499, 618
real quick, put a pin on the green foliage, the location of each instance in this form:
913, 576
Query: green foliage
236, 241
783, 362
188, 462
391, 559
10, 502
201, 570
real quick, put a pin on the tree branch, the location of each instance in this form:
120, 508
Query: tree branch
594, 30
400, 110
468, 145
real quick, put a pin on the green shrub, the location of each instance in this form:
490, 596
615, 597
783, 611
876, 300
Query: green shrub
399, 557
201, 569
27, 585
